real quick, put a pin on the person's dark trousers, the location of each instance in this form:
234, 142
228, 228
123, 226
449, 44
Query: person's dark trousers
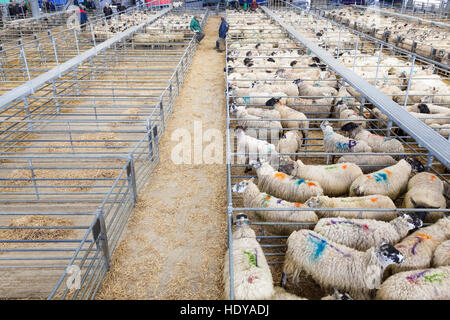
199, 36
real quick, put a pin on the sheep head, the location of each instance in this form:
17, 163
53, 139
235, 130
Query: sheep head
324, 125
313, 202
414, 221
416, 165
387, 254
242, 186
350, 128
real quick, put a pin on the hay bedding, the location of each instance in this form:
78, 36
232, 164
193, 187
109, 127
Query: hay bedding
175, 240
35, 234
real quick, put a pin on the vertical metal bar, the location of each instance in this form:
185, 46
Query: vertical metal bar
76, 40
131, 176
409, 80
378, 65
54, 46
22, 53
33, 177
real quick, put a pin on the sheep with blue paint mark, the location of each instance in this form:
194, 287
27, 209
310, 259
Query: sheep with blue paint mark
336, 143
284, 186
422, 284
252, 275
334, 265
391, 181
376, 142
441, 256
418, 247
253, 198
334, 179
364, 203
362, 234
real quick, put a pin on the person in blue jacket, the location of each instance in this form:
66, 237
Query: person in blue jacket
223, 29
83, 17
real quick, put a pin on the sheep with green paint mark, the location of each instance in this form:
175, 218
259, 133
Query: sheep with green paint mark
364, 203
441, 256
252, 275
334, 265
418, 247
334, 179
391, 181
362, 234
426, 190
422, 284
284, 186
253, 198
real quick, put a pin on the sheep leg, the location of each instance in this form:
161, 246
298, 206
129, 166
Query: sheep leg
283, 281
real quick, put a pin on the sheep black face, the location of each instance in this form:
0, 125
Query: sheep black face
271, 60
388, 254
313, 65
288, 168
324, 124
272, 101
423, 108
418, 215
349, 127
293, 63
323, 67
416, 165
257, 45
313, 202
241, 186
315, 59
414, 221
279, 72
248, 54
241, 220
297, 81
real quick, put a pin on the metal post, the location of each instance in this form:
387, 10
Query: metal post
378, 65
409, 80
22, 53
54, 46
100, 237
131, 176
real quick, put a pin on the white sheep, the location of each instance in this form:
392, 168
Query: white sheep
336, 143
250, 148
284, 186
348, 116
253, 198
363, 203
441, 256
264, 113
291, 118
290, 142
308, 91
362, 234
335, 265
422, 284
426, 190
419, 246
334, 179
376, 143
281, 294
256, 123
252, 275
368, 163
391, 181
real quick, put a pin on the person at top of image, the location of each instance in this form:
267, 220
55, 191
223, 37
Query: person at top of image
107, 11
254, 5
195, 27
223, 29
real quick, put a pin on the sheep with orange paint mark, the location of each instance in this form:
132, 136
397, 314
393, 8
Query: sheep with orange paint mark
284, 186
253, 198
426, 190
391, 181
418, 248
362, 234
334, 179
252, 275
364, 203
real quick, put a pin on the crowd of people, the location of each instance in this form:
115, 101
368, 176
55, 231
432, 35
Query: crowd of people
251, 5
18, 10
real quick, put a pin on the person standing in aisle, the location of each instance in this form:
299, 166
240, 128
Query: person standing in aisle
195, 27
107, 11
223, 29
254, 5
83, 18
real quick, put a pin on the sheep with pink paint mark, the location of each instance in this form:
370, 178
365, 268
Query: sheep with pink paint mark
362, 234
252, 276
421, 284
